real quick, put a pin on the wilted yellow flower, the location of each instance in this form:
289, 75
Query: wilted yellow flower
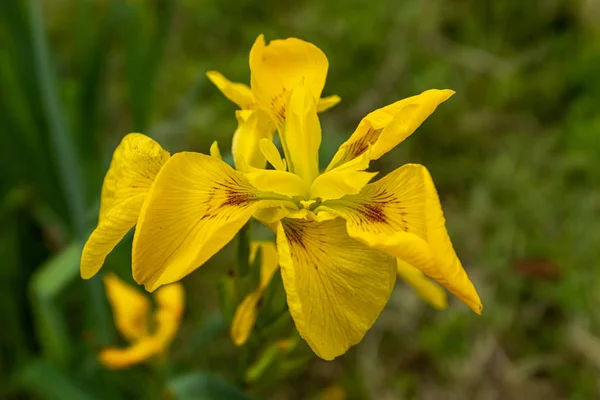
134, 165
131, 311
276, 68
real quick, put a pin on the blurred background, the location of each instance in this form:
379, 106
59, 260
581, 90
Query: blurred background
515, 155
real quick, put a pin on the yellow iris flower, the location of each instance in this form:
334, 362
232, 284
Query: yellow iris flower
340, 239
131, 311
262, 106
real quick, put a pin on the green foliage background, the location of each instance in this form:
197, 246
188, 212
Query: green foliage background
515, 155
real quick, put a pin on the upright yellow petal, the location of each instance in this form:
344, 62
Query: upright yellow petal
301, 137
129, 306
247, 312
426, 289
336, 286
253, 126
134, 165
278, 67
196, 206
325, 103
239, 93
448, 269
385, 128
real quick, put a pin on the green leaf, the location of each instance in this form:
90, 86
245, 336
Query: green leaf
50, 383
204, 386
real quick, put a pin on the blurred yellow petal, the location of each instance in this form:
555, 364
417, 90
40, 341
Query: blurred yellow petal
426, 289
134, 165
247, 312
336, 286
325, 103
333, 392
239, 93
385, 128
142, 350
245, 318
170, 304
301, 137
271, 153
195, 207
269, 259
214, 150
129, 306
278, 67
447, 268
253, 126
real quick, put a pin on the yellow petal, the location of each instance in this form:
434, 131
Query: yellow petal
393, 205
278, 67
448, 269
348, 178
253, 126
109, 232
134, 165
426, 289
281, 182
214, 150
247, 312
271, 153
245, 318
129, 306
196, 206
170, 303
336, 286
301, 137
325, 103
385, 128
239, 93
140, 351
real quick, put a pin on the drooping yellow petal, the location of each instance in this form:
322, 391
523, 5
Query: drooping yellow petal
385, 128
401, 214
253, 126
325, 103
301, 137
195, 207
129, 306
278, 67
134, 165
239, 93
247, 312
336, 286
447, 268
140, 351
426, 289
